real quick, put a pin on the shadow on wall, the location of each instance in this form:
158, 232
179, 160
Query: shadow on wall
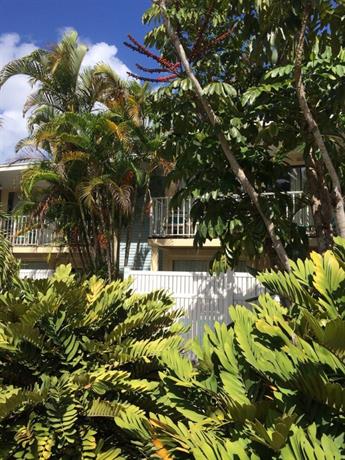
139, 256
142, 257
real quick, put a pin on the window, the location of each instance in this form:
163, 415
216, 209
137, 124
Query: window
12, 201
297, 179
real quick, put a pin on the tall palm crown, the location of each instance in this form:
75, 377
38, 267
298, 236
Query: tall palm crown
61, 82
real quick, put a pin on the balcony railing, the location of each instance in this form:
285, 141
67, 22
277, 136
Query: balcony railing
168, 222
26, 231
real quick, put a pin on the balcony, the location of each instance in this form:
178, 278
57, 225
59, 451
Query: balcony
168, 222
26, 231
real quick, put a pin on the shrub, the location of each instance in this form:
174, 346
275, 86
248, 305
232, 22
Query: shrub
270, 386
9, 266
74, 355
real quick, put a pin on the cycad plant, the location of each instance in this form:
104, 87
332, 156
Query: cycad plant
272, 385
74, 355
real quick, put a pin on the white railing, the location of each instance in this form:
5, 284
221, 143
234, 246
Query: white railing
27, 231
299, 212
175, 222
171, 222
205, 299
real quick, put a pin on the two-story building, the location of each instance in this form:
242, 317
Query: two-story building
161, 241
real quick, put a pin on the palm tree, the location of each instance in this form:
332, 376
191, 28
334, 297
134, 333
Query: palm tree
132, 114
89, 191
95, 131
61, 83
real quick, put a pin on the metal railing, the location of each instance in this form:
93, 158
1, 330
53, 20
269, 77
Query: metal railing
169, 222
27, 231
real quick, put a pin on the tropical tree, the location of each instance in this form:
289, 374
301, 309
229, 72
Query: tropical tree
194, 144
233, 51
298, 38
180, 56
88, 186
60, 80
133, 115
74, 355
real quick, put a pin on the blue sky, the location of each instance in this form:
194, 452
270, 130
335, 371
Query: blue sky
27, 24
40, 21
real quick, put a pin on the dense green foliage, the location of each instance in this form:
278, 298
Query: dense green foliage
90, 370
271, 385
248, 78
72, 357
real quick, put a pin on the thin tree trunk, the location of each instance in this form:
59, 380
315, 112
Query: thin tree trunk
89, 247
314, 127
82, 260
141, 226
321, 203
130, 228
112, 235
108, 245
213, 119
97, 248
117, 250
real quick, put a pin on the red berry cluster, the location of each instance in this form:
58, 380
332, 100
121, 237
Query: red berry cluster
174, 69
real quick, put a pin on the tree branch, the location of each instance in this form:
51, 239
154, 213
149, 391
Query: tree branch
314, 127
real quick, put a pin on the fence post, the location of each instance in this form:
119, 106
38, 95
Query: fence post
229, 278
126, 272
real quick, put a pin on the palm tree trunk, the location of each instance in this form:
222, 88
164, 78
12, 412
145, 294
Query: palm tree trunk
141, 226
89, 247
314, 127
130, 228
97, 248
108, 246
117, 249
213, 119
82, 259
112, 232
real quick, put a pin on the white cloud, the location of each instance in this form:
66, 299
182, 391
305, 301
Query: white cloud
15, 92
12, 96
103, 52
